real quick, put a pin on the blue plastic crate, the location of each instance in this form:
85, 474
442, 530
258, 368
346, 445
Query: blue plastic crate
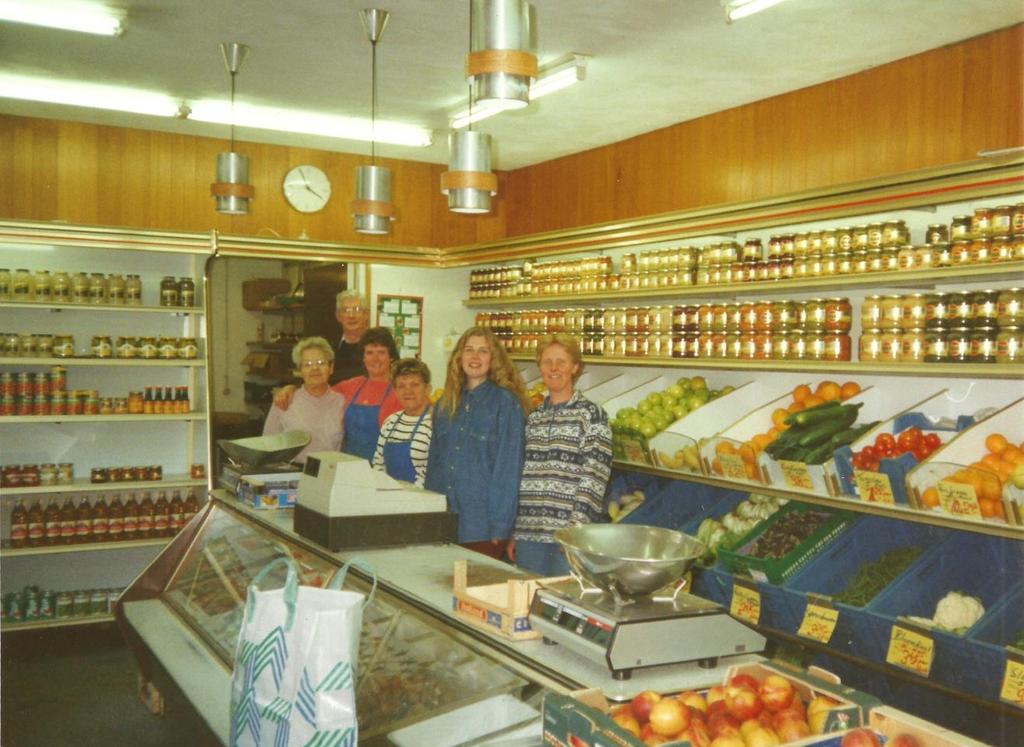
674, 505
978, 565
989, 637
835, 566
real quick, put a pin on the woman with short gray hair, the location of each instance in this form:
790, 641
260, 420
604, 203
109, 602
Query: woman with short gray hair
315, 408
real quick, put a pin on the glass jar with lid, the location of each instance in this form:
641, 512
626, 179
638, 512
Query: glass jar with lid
981, 250
765, 312
1001, 249
838, 314
6, 281
983, 344
23, 287
958, 344
913, 311
936, 311
133, 290
1010, 344
44, 286
797, 349
1001, 220
937, 233
116, 289
936, 346
97, 288
894, 232
890, 345
844, 238
984, 308
1017, 224
890, 259
924, 257
812, 314
786, 315
871, 311
780, 346
814, 344
869, 346
837, 346
912, 345
829, 263
1010, 307
960, 227
102, 346
981, 221
906, 258
875, 235
961, 309
61, 287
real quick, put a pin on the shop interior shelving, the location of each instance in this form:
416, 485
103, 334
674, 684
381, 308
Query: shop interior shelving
186, 417
8, 627
117, 362
178, 310
11, 552
84, 485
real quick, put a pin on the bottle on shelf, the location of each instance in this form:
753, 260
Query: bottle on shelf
83, 521
170, 406
115, 521
147, 401
131, 517
158, 400
177, 513
51, 522
191, 506
146, 512
100, 520
161, 516
36, 529
19, 525
68, 519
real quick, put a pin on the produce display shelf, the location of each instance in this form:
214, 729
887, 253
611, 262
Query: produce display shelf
84, 485
100, 418
896, 512
924, 279
139, 362
176, 310
957, 370
11, 627
10, 552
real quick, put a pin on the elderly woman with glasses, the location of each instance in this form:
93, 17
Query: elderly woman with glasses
314, 407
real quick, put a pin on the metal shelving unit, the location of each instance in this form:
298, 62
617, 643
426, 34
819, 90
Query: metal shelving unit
186, 417
84, 485
11, 552
126, 362
12, 627
178, 310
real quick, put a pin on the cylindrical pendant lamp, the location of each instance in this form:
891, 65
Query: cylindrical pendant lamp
372, 211
232, 190
469, 182
502, 60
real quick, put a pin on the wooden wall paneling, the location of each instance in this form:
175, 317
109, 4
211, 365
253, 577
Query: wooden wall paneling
941, 106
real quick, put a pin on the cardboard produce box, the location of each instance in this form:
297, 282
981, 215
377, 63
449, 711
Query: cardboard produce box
586, 718
500, 608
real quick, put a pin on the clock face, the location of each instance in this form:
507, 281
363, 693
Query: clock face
307, 188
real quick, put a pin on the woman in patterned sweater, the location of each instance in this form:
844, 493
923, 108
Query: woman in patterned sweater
567, 461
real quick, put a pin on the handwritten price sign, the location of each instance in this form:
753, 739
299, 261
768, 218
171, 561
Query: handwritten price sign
634, 451
1012, 691
795, 475
732, 467
910, 650
819, 622
873, 487
958, 500
745, 604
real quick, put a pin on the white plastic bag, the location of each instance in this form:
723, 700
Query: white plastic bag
294, 677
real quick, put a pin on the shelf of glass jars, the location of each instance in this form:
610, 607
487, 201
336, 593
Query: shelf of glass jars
84, 485
10, 627
923, 279
958, 370
175, 310
88, 361
7, 552
181, 416
894, 511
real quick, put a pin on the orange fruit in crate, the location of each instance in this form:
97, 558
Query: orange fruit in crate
761, 440
813, 401
991, 461
1012, 454
751, 470
796, 406
725, 447
1004, 469
801, 393
996, 443
716, 466
773, 433
930, 497
991, 489
990, 508
747, 453
849, 389
779, 417
829, 391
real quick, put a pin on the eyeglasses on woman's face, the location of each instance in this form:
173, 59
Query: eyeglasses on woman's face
318, 363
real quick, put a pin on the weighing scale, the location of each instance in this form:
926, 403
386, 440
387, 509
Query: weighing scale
668, 627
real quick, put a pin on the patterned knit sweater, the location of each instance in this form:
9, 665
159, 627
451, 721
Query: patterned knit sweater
567, 464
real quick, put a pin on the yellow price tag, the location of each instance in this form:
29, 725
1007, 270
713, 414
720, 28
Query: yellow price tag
795, 475
910, 650
819, 622
732, 466
958, 500
873, 487
633, 451
746, 603
1012, 690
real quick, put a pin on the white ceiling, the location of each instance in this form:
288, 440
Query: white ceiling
654, 62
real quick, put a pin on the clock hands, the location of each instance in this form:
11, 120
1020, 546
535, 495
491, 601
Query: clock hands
305, 183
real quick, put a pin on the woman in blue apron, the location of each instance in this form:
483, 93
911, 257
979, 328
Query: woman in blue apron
404, 442
369, 399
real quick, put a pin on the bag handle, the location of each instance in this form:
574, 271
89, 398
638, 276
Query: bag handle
339, 577
291, 588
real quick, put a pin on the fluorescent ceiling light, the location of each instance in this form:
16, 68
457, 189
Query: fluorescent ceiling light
560, 74
309, 123
737, 9
69, 15
89, 95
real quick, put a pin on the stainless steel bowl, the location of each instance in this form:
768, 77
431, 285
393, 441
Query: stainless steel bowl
280, 447
630, 561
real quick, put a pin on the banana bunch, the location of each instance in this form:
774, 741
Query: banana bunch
619, 508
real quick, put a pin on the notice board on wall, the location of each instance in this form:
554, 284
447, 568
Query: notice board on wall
403, 315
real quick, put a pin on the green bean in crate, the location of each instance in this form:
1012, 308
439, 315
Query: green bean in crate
809, 534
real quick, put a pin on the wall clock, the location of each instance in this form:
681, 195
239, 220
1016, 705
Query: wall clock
307, 188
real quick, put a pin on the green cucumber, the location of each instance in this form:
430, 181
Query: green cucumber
843, 438
819, 454
822, 432
813, 414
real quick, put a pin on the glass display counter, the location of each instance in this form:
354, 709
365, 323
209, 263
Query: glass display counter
419, 666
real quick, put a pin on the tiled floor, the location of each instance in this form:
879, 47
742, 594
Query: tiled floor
77, 686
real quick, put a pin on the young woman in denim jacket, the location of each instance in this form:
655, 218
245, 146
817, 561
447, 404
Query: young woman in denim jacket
476, 452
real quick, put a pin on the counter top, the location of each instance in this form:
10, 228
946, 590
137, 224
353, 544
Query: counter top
423, 575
